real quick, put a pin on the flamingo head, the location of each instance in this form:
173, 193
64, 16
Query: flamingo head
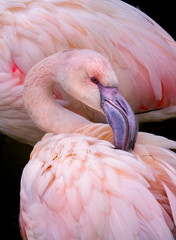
89, 77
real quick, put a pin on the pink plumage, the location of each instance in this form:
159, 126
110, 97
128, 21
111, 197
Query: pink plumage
142, 54
76, 184
80, 187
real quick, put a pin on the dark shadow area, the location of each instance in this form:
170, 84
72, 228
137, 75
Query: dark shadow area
162, 12
165, 128
14, 157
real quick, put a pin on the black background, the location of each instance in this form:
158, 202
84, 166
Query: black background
14, 155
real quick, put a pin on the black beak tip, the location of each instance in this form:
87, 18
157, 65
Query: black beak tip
120, 117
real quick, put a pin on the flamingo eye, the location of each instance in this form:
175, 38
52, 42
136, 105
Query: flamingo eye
94, 80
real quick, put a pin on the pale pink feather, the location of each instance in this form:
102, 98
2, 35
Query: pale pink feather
80, 187
142, 54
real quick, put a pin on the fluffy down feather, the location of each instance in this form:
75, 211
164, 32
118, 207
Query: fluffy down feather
142, 54
80, 187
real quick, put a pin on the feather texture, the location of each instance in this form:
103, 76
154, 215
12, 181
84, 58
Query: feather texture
142, 54
80, 187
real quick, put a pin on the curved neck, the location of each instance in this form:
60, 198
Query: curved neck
40, 103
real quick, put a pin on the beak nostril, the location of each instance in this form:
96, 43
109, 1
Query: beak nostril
121, 105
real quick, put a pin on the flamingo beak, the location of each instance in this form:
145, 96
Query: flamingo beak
120, 117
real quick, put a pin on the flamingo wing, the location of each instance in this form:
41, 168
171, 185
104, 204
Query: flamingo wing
80, 187
142, 54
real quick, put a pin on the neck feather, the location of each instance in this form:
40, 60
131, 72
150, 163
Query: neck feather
40, 103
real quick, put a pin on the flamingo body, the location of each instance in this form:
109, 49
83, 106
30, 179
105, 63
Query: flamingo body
77, 185
80, 187
142, 54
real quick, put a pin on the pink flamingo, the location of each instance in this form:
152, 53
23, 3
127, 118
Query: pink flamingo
76, 185
142, 54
